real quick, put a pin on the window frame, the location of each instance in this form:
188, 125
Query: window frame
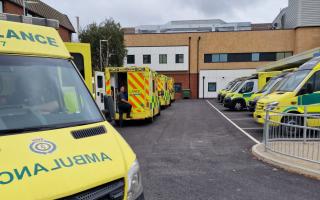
215, 84
178, 58
148, 60
161, 58
134, 59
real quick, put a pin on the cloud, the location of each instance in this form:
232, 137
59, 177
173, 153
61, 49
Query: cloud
138, 12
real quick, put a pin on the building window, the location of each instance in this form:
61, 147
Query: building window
245, 57
179, 58
268, 56
130, 59
223, 57
146, 59
178, 87
163, 59
1, 6
212, 87
255, 57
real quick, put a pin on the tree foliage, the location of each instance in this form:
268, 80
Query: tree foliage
108, 29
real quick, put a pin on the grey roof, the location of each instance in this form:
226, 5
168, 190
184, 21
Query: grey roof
46, 11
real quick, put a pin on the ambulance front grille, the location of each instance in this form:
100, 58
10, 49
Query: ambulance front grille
109, 191
78, 134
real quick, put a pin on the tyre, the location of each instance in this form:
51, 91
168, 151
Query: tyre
238, 105
290, 131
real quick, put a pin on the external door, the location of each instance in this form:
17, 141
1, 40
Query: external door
100, 89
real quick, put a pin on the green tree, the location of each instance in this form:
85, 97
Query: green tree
107, 30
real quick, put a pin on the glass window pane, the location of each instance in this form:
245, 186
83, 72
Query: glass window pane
287, 54
146, 59
79, 61
163, 58
1, 6
130, 59
212, 87
179, 58
255, 57
207, 58
224, 57
317, 82
215, 58
280, 55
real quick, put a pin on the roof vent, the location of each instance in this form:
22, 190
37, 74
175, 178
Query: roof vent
30, 20
90, 132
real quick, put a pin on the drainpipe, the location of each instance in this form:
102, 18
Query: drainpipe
198, 48
189, 63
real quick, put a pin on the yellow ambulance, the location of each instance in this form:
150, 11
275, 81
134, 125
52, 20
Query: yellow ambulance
171, 89
300, 89
163, 91
141, 86
54, 141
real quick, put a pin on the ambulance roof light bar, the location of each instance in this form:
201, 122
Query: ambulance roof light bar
30, 20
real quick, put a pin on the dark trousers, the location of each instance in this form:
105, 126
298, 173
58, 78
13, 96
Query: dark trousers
124, 108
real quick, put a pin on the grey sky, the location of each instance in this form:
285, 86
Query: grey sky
142, 12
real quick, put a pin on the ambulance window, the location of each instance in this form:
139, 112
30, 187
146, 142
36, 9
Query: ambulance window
317, 82
100, 81
248, 87
79, 61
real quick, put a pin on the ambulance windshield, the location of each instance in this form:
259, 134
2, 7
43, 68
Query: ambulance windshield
293, 81
42, 94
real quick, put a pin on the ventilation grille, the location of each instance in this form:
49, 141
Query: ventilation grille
109, 191
89, 132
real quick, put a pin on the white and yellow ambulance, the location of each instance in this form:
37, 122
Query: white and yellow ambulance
54, 141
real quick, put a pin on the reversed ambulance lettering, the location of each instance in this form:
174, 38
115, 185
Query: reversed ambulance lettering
31, 37
7, 177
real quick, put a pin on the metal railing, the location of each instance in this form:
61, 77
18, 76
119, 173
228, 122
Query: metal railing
292, 134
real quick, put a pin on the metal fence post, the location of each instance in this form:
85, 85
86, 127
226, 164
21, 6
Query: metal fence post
266, 130
305, 124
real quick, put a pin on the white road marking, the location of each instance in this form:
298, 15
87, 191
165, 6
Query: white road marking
234, 124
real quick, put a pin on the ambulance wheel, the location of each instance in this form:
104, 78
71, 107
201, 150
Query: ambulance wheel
159, 111
291, 131
117, 122
238, 105
150, 120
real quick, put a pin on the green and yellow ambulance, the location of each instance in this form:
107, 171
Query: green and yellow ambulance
227, 88
171, 89
54, 141
300, 89
239, 99
231, 88
271, 85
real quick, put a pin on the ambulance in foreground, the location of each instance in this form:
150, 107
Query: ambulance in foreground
300, 89
54, 141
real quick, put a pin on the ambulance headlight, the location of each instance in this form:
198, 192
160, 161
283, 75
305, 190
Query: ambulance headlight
272, 106
135, 188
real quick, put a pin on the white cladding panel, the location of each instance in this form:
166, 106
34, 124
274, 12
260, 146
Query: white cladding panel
171, 52
221, 78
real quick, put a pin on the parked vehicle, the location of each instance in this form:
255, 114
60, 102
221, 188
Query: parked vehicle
236, 83
272, 85
237, 99
163, 90
300, 89
171, 89
141, 84
53, 135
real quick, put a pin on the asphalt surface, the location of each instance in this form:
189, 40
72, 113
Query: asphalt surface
192, 152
